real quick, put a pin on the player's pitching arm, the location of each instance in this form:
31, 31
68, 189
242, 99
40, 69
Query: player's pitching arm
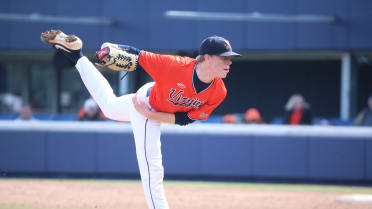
142, 108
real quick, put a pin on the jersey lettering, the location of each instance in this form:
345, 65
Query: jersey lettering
179, 99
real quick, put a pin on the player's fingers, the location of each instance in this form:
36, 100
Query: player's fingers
140, 105
106, 59
143, 105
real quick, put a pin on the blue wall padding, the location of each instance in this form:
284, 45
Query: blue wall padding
336, 158
116, 153
280, 156
189, 154
23, 152
368, 159
72, 152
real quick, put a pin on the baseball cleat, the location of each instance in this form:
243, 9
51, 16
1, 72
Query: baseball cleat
61, 41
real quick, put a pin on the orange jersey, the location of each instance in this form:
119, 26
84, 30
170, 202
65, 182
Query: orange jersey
174, 90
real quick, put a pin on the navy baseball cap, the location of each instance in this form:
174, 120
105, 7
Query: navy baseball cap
216, 45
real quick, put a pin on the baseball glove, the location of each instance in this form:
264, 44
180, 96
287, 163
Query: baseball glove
116, 59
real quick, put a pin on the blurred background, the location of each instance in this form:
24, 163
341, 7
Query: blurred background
320, 49
312, 56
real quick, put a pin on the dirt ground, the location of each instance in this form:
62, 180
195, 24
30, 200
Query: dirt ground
129, 195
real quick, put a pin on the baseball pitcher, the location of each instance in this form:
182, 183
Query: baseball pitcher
184, 90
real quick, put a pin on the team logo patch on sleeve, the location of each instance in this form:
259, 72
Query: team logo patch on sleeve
203, 115
181, 85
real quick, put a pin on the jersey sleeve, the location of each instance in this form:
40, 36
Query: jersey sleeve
156, 65
205, 110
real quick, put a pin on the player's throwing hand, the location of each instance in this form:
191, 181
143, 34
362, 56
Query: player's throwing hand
140, 106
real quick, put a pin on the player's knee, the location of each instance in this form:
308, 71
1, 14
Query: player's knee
108, 110
108, 113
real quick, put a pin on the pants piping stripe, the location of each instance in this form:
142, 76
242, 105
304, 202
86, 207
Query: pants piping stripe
148, 167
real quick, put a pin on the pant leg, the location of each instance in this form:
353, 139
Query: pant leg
115, 108
148, 149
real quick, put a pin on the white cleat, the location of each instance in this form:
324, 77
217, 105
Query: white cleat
61, 41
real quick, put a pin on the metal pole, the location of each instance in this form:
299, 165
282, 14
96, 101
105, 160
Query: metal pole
123, 83
40, 18
345, 86
252, 17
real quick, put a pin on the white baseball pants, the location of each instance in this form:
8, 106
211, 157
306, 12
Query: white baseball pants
146, 132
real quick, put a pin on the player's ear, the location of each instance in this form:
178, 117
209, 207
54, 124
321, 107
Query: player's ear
207, 57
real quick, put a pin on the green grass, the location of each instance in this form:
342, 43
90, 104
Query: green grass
272, 186
239, 185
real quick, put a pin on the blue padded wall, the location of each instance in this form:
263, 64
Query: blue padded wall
23, 151
223, 155
336, 158
284, 156
368, 159
116, 153
188, 154
71, 152
181, 154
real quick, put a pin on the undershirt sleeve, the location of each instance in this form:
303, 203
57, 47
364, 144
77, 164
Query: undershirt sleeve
183, 119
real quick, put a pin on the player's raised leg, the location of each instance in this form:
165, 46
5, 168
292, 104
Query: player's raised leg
116, 108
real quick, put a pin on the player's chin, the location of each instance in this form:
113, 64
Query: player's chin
226, 72
223, 75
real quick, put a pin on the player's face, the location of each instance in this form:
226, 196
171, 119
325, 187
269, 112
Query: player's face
220, 65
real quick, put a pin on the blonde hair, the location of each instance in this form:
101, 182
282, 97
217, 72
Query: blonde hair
200, 58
